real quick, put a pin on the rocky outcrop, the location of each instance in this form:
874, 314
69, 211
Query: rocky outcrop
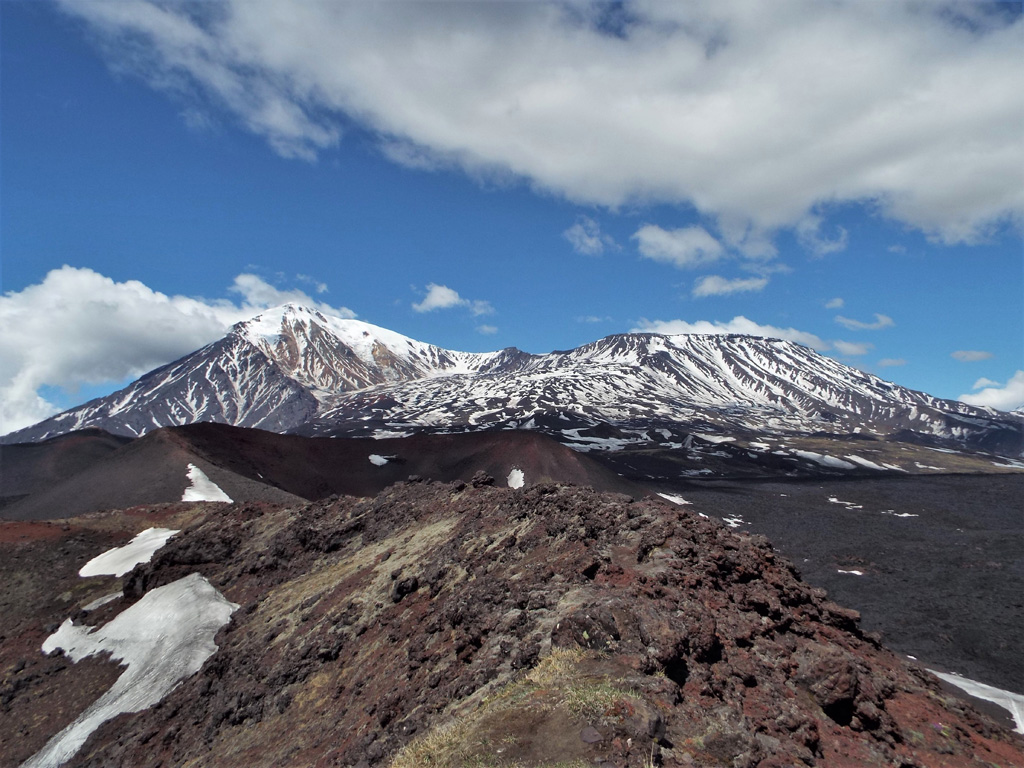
467, 624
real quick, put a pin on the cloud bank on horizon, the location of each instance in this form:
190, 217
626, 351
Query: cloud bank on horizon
758, 115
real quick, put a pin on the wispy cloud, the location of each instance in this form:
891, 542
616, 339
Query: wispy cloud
79, 328
443, 297
836, 303
544, 92
683, 248
881, 321
586, 237
970, 355
891, 362
809, 235
983, 382
852, 348
715, 285
1007, 398
738, 324
487, 330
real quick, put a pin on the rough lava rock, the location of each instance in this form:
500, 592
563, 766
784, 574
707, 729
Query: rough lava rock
529, 627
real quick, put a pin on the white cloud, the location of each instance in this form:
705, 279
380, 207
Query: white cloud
891, 362
586, 237
836, 303
983, 382
79, 328
755, 114
738, 324
683, 248
715, 285
443, 297
970, 355
808, 232
852, 348
593, 319
881, 321
1006, 398
487, 330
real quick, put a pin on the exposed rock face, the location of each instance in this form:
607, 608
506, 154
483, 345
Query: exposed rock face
546, 624
293, 369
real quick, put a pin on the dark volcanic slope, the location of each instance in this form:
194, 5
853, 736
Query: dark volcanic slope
255, 465
318, 467
28, 467
942, 558
150, 470
549, 625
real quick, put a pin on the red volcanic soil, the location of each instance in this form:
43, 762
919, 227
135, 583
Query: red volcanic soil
254, 465
548, 625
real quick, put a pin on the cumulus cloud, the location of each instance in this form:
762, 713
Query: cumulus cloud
738, 324
78, 327
1006, 398
881, 321
757, 115
970, 355
716, 285
683, 248
852, 348
586, 237
836, 303
983, 382
443, 297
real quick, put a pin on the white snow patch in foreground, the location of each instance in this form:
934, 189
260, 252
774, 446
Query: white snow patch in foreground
674, 498
735, 521
1013, 702
202, 488
825, 461
162, 639
852, 573
99, 602
120, 560
379, 461
516, 478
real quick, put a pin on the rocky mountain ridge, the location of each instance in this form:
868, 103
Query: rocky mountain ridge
455, 624
296, 370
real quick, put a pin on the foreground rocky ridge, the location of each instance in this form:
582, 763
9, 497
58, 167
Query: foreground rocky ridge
472, 625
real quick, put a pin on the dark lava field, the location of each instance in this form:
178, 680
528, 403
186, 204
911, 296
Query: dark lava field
945, 585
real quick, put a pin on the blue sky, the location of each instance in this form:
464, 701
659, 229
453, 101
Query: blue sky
535, 175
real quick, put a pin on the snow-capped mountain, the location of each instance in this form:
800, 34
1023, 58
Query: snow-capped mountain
293, 369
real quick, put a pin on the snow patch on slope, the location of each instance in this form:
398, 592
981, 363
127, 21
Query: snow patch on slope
674, 498
202, 488
516, 478
1013, 702
120, 560
163, 638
